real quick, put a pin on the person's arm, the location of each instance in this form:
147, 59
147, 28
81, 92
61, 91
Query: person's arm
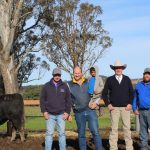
66, 115
99, 85
131, 93
42, 100
135, 99
105, 93
42, 103
68, 100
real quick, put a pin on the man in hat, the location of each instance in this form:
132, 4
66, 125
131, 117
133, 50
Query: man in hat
141, 107
55, 103
118, 96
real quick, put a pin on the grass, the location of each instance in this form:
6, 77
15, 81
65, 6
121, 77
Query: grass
35, 120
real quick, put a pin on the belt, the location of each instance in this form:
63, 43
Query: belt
144, 109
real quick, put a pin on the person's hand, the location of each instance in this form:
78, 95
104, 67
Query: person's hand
65, 116
95, 92
136, 112
110, 107
129, 107
46, 115
69, 118
93, 105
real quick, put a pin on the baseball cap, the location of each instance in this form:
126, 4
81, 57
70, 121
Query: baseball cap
56, 71
146, 70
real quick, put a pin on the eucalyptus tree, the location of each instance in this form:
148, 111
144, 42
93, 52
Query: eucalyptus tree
22, 28
76, 37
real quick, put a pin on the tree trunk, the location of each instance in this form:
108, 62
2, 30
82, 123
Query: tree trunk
10, 79
11, 86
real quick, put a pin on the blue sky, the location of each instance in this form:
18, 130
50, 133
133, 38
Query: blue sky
128, 22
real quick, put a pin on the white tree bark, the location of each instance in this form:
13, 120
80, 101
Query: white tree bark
9, 16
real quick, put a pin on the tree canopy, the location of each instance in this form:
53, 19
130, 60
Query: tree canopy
76, 37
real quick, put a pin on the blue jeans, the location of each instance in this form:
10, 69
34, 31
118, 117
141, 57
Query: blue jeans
81, 118
144, 119
50, 127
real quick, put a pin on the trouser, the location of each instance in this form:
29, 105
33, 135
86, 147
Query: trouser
81, 118
113, 138
144, 119
55, 120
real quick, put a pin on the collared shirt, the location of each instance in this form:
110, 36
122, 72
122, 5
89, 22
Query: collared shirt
141, 96
56, 84
74, 81
119, 78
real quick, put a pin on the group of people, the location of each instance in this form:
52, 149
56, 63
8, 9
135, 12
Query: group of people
84, 96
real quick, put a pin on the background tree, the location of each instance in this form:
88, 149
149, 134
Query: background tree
77, 36
22, 27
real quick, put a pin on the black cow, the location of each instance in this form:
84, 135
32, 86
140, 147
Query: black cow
12, 109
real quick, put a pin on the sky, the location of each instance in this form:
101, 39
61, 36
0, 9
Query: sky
128, 23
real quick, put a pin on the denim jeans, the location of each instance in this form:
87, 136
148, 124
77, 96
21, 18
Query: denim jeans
55, 120
144, 119
81, 118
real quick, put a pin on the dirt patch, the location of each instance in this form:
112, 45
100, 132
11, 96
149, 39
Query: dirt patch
35, 141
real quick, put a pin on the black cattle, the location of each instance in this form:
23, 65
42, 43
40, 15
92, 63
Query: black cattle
12, 109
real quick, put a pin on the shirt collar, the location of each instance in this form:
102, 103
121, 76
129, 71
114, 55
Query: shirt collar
146, 83
83, 79
116, 76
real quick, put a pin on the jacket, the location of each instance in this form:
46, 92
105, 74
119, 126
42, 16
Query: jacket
141, 96
119, 95
79, 95
55, 99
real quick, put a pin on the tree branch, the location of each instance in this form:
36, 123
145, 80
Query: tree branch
34, 25
12, 29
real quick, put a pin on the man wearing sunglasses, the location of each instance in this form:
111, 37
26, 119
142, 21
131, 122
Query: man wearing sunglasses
141, 107
118, 96
55, 103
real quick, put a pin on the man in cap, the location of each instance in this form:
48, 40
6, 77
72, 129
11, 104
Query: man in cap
55, 103
141, 107
118, 96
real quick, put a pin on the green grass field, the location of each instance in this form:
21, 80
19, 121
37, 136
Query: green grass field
35, 121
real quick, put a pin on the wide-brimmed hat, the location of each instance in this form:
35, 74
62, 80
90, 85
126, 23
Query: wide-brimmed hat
117, 64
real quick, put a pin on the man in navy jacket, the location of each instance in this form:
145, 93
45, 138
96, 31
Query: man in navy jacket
141, 107
55, 103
